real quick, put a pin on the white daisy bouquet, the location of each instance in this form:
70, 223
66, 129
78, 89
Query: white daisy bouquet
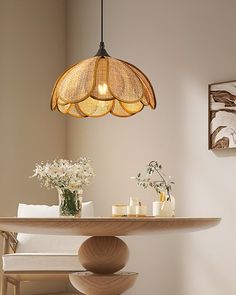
65, 174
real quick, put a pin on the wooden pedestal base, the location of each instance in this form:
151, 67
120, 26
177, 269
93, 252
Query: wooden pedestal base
103, 257
97, 284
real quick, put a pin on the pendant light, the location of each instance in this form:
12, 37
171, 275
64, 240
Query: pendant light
100, 85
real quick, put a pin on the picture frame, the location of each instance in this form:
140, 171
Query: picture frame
222, 115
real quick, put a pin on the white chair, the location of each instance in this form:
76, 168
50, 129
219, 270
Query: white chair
29, 257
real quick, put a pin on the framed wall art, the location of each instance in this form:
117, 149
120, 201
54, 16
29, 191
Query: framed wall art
222, 115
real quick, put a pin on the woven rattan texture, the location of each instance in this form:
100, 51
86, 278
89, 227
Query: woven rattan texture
101, 85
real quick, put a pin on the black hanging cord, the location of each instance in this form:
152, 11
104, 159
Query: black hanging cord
102, 21
102, 51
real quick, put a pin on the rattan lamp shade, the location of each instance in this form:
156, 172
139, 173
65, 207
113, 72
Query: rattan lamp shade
101, 85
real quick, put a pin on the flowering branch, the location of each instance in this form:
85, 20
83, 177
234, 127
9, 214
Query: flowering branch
159, 185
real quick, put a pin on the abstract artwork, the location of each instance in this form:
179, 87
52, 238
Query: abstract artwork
222, 115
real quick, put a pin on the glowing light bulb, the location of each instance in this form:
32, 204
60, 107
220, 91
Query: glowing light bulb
102, 89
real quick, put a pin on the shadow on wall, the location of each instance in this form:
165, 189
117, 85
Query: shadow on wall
225, 153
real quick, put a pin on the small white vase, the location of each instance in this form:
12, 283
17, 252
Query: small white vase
164, 209
156, 208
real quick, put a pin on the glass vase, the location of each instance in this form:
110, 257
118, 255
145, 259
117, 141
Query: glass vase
70, 203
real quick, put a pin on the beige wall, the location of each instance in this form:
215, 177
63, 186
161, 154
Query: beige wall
32, 54
182, 46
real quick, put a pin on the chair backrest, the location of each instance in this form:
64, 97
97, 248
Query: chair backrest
30, 243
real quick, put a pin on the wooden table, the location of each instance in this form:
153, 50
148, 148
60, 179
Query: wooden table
103, 255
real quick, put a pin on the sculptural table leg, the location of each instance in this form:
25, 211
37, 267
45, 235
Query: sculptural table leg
103, 257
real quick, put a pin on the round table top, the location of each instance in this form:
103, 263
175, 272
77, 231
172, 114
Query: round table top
105, 226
